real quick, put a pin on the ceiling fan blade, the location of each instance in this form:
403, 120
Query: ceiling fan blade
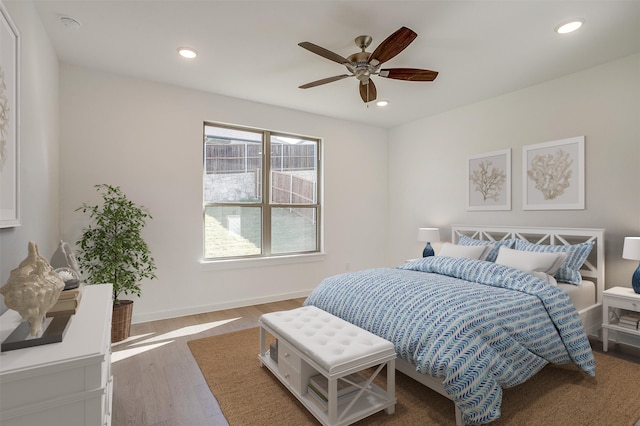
409, 74
324, 52
324, 81
392, 45
368, 91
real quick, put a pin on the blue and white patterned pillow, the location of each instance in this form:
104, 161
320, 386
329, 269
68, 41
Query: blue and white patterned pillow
569, 272
463, 240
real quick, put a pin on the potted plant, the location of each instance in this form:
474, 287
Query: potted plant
112, 251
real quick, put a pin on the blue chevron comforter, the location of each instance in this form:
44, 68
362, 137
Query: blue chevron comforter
476, 325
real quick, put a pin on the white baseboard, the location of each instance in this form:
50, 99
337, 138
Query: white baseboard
193, 310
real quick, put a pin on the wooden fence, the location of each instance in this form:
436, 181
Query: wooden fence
241, 158
291, 189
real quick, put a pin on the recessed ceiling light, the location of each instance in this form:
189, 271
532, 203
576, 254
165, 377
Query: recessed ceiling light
187, 52
569, 27
382, 103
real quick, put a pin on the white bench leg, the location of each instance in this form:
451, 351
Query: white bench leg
391, 385
333, 401
262, 340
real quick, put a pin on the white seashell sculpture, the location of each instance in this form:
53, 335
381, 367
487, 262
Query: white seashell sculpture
32, 288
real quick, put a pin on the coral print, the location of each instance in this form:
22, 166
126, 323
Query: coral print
488, 181
551, 173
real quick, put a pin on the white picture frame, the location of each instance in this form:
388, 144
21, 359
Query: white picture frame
9, 121
553, 175
489, 181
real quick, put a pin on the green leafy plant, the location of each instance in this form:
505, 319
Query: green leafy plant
111, 248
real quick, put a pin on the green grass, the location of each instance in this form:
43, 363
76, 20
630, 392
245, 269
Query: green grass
292, 233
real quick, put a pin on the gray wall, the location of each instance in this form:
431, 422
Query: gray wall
38, 144
147, 138
427, 159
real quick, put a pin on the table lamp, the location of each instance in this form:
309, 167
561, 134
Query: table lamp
430, 235
631, 251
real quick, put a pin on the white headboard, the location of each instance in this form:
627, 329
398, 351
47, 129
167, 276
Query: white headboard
593, 268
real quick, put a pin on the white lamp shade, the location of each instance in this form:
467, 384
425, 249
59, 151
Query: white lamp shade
631, 248
431, 235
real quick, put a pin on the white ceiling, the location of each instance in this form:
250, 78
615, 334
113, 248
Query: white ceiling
248, 49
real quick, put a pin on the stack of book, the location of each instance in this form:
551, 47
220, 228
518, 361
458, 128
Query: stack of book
630, 320
318, 388
67, 303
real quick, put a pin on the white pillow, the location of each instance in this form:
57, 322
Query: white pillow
530, 261
470, 252
546, 277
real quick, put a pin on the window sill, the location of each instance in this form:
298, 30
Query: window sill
217, 265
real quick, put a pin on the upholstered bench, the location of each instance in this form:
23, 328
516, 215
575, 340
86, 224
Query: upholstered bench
321, 359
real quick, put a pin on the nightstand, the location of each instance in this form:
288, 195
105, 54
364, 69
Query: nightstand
613, 300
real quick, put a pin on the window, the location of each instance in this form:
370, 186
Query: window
244, 217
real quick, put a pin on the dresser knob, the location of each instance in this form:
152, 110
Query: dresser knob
286, 355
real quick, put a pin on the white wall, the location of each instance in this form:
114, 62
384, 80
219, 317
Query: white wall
147, 138
38, 144
427, 159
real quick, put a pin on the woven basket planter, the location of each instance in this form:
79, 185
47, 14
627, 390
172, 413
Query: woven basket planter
121, 321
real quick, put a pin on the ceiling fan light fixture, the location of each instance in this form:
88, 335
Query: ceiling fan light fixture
569, 27
187, 52
382, 103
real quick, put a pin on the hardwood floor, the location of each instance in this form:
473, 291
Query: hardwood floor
156, 380
158, 383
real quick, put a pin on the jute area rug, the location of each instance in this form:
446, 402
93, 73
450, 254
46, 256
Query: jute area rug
249, 394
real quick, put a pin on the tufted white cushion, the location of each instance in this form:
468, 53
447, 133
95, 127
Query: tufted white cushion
333, 343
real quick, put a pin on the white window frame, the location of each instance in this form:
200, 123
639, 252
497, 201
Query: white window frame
266, 257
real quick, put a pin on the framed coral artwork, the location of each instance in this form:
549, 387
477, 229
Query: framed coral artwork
489, 181
9, 124
553, 175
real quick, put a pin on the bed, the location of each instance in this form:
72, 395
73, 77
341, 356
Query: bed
587, 297
469, 327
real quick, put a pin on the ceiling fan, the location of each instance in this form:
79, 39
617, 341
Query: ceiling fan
363, 65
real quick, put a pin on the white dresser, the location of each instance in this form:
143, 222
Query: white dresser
67, 383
